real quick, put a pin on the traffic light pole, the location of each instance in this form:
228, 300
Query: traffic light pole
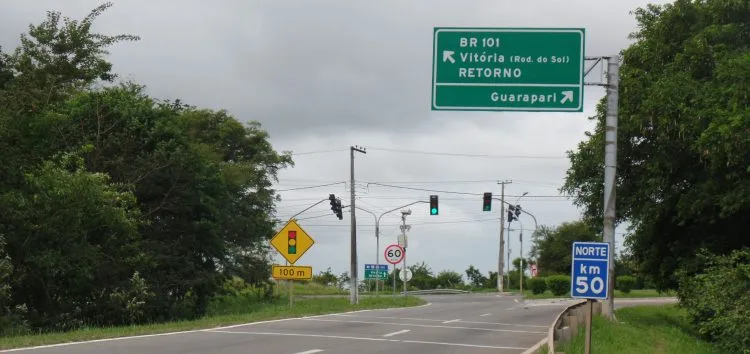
500, 260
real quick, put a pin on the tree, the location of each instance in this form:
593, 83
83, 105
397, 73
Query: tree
552, 246
475, 277
117, 200
422, 276
73, 241
6, 270
344, 280
448, 279
326, 278
683, 147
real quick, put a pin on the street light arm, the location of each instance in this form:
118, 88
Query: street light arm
536, 226
394, 209
369, 212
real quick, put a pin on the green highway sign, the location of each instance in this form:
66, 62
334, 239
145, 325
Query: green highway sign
508, 69
375, 271
375, 274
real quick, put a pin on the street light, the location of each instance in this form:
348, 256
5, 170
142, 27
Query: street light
377, 248
520, 238
377, 233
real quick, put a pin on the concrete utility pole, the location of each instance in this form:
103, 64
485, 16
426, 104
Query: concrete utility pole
500, 260
353, 288
610, 172
405, 228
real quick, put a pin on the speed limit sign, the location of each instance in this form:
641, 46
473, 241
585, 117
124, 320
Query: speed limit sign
394, 254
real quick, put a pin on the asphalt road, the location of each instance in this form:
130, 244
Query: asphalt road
466, 324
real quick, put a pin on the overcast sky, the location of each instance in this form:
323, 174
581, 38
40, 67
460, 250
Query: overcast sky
323, 75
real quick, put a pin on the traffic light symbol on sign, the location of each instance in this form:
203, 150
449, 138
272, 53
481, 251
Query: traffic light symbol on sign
292, 235
487, 205
433, 205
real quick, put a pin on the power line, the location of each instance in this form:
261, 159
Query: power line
411, 223
422, 189
309, 187
461, 193
469, 155
317, 152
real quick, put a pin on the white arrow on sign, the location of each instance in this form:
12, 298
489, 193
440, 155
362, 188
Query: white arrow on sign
567, 96
448, 55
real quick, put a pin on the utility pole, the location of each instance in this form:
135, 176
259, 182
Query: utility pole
353, 288
610, 171
404, 228
500, 260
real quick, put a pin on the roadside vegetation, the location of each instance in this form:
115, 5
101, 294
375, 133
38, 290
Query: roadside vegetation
238, 303
643, 330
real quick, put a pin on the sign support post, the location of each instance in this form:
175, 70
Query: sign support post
394, 254
589, 310
589, 278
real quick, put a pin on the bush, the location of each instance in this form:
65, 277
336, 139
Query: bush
625, 283
558, 284
537, 285
718, 299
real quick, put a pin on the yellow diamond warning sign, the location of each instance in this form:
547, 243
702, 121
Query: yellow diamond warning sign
292, 242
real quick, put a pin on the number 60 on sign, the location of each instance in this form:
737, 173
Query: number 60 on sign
394, 254
590, 270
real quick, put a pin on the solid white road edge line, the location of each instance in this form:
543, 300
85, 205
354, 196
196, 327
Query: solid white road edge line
312, 351
429, 326
368, 339
397, 333
305, 335
536, 346
441, 321
191, 331
461, 345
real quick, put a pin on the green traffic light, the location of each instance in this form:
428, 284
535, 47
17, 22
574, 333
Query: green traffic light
433, 211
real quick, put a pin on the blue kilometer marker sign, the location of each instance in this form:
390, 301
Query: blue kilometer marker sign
590, 272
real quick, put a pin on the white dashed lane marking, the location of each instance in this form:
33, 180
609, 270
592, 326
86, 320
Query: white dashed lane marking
396, 333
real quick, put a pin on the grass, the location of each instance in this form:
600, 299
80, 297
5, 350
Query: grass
642, 293
310, 288
642, 330
222, 312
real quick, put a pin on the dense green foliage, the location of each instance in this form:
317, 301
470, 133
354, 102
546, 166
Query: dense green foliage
538, 285
625, 283
718, 299
551, 247
118, 208
683, 142
683, 158
558, 284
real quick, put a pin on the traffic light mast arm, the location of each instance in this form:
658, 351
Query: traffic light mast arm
536, 226
308, 208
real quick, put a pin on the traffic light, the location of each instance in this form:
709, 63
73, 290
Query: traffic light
433, 205
518, 211
336, 206
512, 213
292, 241
487, 205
